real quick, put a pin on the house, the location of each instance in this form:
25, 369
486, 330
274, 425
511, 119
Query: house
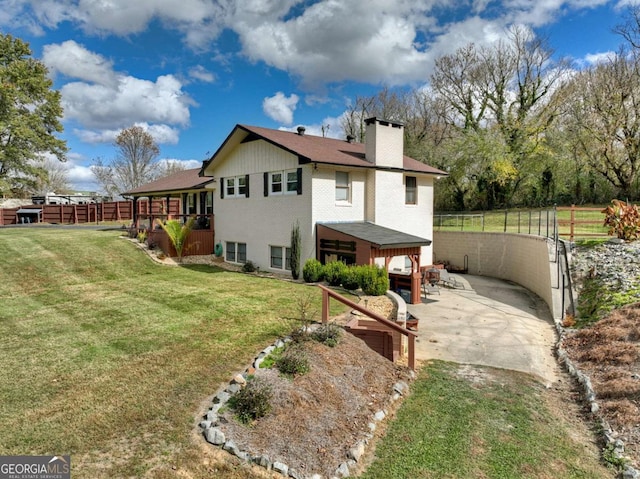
353, 202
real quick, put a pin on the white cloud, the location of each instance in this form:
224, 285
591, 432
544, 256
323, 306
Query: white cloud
595, 58
280, 107
132, 100
201, 73
162, 134
187, 164
75, 61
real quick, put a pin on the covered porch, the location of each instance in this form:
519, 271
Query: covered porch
180, 196
363, 242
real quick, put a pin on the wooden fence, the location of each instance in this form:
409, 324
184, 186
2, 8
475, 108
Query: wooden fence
112, 211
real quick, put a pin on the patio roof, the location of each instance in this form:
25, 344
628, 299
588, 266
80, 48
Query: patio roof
181, 181
380, 237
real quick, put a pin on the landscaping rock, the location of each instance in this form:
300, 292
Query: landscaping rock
356, 451
343, 470
401, 388
221, 398
215, 436
281, 468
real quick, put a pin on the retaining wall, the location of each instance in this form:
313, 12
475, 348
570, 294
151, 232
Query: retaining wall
523, 259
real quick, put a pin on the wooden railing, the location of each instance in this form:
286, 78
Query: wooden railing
327, 294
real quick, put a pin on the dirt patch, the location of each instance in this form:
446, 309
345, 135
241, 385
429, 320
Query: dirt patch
317, 417
609, 353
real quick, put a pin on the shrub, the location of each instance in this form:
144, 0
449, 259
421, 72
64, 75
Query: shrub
293, 361
253, 401
296, 247
249, 267
313, 271
328, 334
334, 272
623, 220
142, 236
374, 280
351, 278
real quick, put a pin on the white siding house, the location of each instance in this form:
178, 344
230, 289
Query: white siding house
267, 180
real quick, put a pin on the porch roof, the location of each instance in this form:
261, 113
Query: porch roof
380, 237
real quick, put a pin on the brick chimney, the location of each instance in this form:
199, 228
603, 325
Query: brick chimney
384, 142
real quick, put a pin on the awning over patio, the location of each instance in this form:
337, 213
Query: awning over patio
361, 242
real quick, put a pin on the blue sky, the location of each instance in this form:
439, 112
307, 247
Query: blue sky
189, 70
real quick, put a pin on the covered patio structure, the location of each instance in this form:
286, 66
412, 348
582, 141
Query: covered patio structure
181, 195
362, 242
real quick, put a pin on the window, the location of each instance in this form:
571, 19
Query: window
283, 182
236, 187
342, 186
280, 257
191, 204
276, 183
236, 252
208, 210
410, 190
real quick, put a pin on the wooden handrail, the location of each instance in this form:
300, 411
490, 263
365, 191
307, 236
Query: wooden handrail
411, 335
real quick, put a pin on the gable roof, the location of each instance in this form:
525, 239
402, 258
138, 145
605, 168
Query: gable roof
309, 149
379, 236
180, 181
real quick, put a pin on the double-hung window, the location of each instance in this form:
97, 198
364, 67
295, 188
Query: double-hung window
342, 186
410, 190
236, 252
280, 257
283, 182
235, 187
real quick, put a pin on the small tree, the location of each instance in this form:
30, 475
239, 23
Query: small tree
296, 245
178, 233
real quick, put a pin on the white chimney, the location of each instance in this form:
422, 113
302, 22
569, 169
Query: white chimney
384, 142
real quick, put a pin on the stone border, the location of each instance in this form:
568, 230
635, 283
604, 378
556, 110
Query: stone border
216, 436
611, 441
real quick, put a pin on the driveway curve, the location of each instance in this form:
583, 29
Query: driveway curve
490, 322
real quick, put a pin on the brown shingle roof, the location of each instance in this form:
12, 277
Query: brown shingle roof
311, 149
180, 181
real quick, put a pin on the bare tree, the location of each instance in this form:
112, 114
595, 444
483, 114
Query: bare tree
55, 180
134, 164
605, 118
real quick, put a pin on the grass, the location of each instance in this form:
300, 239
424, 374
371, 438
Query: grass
495, 426
107, 356
538, 221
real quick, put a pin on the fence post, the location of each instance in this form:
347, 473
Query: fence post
506, 212
572, 222
325, 307
518, 221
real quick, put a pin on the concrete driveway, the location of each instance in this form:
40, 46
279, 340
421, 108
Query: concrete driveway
490, 322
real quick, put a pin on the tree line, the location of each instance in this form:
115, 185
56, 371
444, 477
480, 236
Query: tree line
514, 126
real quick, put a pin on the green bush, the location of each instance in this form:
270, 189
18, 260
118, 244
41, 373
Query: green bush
253, 401
249, 267
374, 280
334, 272
294, 361
328, 334
313, 271
351, 278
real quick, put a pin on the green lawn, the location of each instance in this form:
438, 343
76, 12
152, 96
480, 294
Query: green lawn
493, 423
108, 357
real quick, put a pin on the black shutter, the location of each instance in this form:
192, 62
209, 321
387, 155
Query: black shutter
266, 183
203, 204
299, 179
221, 188
246, 184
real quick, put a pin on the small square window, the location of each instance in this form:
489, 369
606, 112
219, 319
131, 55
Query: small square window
242, 253
231, 252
